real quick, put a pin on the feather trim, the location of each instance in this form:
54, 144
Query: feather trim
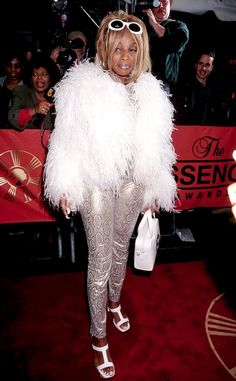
101, 128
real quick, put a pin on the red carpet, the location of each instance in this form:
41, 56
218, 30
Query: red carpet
183, 329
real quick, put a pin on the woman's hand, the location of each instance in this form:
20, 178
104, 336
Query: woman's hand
152, 208
232, 192
232, 197
43, 107
65, 207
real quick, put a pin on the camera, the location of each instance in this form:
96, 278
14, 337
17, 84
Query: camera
67, 55
66, 58
145, 4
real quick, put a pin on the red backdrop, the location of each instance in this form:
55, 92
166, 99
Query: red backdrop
203, 170
205, 166
22, 156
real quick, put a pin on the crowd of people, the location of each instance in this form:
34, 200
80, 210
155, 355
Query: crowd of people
110, 154
31, 105
28, 81
203, 88
202, 94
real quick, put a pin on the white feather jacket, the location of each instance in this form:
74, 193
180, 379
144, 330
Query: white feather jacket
102, 127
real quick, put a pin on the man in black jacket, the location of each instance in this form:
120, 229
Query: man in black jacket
168, 40
195, 97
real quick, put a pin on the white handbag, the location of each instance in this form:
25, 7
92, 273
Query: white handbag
147, 242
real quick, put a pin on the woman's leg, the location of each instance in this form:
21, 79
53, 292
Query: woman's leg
97, 216
127, 207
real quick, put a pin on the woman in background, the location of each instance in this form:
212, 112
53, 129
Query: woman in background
13, 67
32, 104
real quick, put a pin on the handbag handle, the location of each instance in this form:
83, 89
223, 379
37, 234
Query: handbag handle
147, 215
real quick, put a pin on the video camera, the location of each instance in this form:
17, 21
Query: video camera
140, 5
145, 4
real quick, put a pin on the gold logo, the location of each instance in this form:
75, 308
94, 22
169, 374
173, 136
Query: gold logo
20, 176
220, 324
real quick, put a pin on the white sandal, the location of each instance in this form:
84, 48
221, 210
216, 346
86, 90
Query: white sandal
121, 317
106, 363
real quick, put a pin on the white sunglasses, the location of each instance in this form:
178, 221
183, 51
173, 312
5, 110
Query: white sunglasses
133, 27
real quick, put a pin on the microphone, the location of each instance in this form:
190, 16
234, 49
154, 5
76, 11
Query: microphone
49, 95
39, 118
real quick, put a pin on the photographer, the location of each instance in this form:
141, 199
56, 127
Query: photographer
168, 40
75, 49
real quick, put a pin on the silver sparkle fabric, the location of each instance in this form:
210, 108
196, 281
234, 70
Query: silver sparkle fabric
109, 219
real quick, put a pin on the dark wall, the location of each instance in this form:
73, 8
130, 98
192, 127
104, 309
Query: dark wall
208, 31
40, 20
37, 20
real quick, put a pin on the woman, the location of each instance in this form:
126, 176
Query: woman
12, 79
32, 104
13, 67
110, 157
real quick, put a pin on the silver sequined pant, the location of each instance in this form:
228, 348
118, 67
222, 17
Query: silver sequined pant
109, 220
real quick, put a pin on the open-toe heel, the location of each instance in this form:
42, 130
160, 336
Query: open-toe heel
106, 363
122, 319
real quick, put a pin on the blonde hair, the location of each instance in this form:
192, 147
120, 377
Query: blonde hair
107, 41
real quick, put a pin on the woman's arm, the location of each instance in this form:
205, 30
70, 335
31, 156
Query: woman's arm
232, 192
